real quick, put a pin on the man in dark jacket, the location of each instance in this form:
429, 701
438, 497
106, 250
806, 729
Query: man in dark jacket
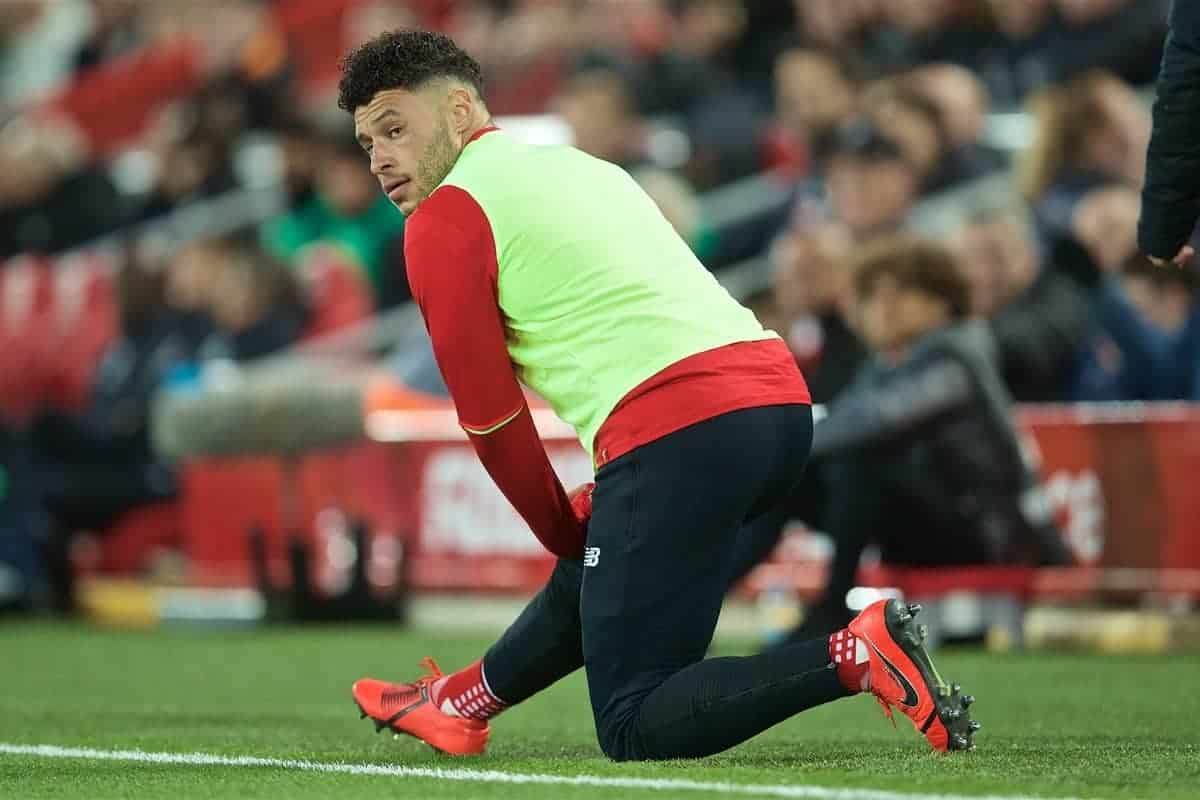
927, 461
1040, 317
1171, 196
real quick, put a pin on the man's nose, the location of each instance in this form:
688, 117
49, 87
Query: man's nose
380, 161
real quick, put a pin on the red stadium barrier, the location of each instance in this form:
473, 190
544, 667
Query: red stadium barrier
1120, 478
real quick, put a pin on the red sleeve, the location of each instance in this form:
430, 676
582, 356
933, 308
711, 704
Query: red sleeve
451, 260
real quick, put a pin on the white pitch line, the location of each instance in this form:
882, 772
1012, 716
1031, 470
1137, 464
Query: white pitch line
484, 776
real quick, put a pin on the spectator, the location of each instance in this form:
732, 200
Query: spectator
524, 49
912, 32
835, 23
914, 123
814, 94
51, 197
114, 32
1124, 37
1165, 298
367, 19
1140, 348
924, 457
811, 294
1044, 42
726, 119
192, 161
598, 106
347, 208
1091, 129
96, 466
681, 50
256, 305
188, 292
1104, 222
1039, 317
300, 147
872, 187
962, 104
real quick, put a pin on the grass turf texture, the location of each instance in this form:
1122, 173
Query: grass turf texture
1055, 725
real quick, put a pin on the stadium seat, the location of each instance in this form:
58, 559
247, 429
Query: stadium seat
113, 103
26, 335
86, 320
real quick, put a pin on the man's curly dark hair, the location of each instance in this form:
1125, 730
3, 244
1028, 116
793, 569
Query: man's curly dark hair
403, 59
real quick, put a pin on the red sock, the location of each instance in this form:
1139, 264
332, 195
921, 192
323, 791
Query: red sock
850, 657
466, 694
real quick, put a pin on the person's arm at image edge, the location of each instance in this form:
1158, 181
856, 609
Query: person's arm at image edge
1171, 195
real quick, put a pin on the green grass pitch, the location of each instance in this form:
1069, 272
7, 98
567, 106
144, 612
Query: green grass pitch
1055, 725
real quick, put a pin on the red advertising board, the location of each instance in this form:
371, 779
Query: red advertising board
1121, 479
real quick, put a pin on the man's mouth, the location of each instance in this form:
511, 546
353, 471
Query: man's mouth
395, 189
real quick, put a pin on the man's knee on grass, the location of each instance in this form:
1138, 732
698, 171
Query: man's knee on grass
620, 735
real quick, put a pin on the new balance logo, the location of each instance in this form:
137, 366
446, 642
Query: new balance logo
591, 556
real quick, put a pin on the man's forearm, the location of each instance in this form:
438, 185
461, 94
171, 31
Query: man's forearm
515, 457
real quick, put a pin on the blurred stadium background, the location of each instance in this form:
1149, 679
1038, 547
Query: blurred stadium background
217, 402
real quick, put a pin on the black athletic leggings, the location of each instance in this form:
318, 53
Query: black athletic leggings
639, 611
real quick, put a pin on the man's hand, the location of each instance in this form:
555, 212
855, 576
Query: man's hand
1185, 254
581, 503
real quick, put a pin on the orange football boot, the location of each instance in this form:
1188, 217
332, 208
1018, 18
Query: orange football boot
408, 708
902, 675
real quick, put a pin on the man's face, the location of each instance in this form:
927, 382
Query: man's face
190, 281
409, 139
811, 92
999, 262
893, 317
597, 109
344, 185
1019, 19
916, 16
1105, 222
916, 135
871, 195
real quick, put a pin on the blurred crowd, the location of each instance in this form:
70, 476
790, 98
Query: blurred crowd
1027, 119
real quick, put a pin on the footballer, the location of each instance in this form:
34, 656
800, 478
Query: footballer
547, 267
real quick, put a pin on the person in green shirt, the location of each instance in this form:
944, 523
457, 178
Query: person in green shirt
345, 209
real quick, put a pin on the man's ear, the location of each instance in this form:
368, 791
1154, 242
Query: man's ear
462, 108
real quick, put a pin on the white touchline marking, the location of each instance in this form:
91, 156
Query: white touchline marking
485, 776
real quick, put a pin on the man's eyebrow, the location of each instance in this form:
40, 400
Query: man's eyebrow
382, 115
